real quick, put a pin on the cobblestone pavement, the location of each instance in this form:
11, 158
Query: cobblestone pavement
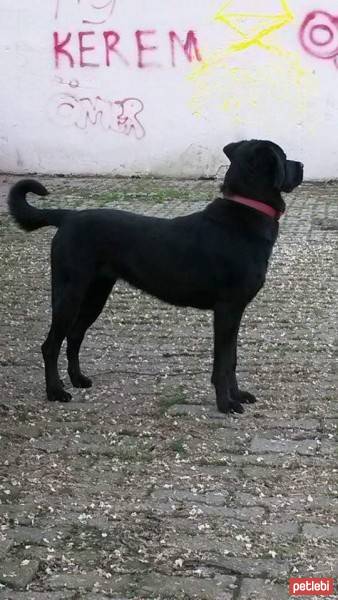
139, 488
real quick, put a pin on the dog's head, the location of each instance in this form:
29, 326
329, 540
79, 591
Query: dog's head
259, 169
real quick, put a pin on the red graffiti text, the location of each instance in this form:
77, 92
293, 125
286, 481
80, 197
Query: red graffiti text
93, 49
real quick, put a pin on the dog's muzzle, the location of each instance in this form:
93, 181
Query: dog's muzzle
294, 173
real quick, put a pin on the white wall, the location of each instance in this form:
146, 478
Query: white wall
256, 68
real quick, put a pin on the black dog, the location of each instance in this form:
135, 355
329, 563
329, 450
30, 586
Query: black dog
215, 259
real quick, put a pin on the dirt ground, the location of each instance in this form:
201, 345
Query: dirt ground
139, 488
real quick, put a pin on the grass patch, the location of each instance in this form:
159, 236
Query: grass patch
171, 397
157, 196
177, 446
106, 193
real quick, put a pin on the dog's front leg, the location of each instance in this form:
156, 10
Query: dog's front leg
227, 318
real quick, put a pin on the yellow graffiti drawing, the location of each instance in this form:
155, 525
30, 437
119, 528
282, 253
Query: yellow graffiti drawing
253, 27
231, 82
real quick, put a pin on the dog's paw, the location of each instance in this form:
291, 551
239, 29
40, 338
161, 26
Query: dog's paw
236, 407
245, 397
81, 381
229, 405
58, 395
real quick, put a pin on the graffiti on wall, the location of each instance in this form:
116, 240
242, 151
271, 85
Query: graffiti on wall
95, 13
218, 77
95, 48
225, 73
119, 116
90, 48
319, 35
253, 27
102, 49
73, 50
72, 83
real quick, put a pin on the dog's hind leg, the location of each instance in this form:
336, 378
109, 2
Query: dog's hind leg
91, 307
66, 305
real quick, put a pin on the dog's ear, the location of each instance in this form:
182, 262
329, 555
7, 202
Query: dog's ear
230, 148
267, 156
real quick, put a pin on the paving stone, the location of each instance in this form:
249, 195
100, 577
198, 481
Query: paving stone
89, 582
329, 448
231, 440
212, 472
322, 567
302, 424
243, 513
28, 432
324, 503
287, 530
11, 595
193, 588
211, 499
185, 525
9, 455
22, 514
331, 424
5, 546
18, 574
206, 544
314, 531
262, 445
33, 535
267, 568
190, 410
51, 446
292, 502
41, 553
100, 597
276, 461
261, 473
222, 512
258, 589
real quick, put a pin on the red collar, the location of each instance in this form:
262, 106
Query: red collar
257, 205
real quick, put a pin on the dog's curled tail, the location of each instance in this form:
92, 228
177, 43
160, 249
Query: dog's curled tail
28, 217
